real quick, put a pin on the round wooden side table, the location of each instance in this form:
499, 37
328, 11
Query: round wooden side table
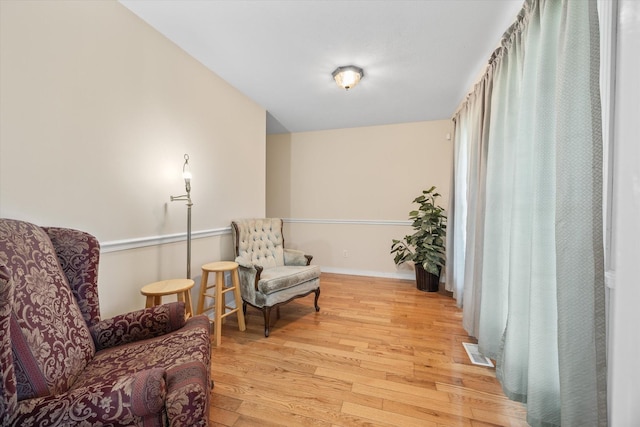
181, 287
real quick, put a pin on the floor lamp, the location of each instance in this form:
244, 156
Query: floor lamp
186, 174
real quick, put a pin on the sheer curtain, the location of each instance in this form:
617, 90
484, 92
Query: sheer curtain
471, 137
529, 141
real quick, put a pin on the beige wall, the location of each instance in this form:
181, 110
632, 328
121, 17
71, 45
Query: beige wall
96, 112
351, 189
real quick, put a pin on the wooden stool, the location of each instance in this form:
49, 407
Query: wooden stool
220, 307
181, 287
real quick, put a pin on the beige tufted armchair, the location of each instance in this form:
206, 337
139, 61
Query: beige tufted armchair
271, 275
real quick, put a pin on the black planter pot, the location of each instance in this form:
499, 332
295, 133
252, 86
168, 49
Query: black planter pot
425, 281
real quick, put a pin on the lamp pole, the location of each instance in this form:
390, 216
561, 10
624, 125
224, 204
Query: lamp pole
186, 174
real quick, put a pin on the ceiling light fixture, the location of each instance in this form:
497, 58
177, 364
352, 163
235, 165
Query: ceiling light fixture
348, 76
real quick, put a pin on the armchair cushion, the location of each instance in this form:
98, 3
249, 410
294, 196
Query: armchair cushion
183, 354
126, 401
279, 278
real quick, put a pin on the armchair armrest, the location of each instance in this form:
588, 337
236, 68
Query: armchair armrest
138, 325
121, 403
296, 257
249, 272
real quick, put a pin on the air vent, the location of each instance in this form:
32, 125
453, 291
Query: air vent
475, 356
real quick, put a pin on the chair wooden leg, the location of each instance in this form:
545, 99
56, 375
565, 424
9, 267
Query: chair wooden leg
266, 312
315, 302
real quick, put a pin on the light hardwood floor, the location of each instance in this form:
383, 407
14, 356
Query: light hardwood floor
379, 353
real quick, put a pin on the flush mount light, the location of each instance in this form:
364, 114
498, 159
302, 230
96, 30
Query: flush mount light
348, 76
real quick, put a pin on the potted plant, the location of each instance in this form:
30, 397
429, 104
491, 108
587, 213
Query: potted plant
425, 247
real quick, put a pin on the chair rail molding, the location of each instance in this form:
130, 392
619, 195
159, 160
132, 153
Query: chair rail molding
384, 222
141, 242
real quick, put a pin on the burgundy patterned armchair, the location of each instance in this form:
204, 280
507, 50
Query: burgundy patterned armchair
62, 365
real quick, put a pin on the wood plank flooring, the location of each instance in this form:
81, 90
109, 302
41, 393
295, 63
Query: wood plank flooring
379, 353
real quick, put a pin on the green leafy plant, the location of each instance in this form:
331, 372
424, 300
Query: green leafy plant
426, 246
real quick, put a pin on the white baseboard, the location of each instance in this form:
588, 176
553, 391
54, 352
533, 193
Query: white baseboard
402, 276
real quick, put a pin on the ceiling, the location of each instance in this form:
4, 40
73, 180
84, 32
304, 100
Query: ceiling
420, 57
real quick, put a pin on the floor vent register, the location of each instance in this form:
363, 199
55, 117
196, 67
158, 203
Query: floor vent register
475, 356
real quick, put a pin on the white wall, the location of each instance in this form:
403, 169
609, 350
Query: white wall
624, 341
352, 189
97, 110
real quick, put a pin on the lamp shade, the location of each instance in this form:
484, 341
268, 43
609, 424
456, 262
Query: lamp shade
348, 76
